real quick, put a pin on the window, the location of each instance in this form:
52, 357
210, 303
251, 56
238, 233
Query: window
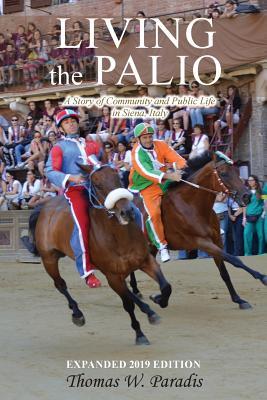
12, 6
40, 3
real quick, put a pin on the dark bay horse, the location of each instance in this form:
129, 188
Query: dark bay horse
190, 222
117, 245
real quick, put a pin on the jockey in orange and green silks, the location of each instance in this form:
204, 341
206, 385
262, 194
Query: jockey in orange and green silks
149, 159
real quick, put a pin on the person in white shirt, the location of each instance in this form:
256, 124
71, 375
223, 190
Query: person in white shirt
200, 142
11, 193
30, 190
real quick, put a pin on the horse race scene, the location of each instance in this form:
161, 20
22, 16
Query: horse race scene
133, 199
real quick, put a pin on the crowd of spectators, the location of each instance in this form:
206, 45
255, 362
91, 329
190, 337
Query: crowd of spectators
27, 56
25, 144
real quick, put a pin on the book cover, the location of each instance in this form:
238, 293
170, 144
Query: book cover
153, 88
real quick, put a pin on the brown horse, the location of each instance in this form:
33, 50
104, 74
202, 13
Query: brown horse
117, 245
190, 222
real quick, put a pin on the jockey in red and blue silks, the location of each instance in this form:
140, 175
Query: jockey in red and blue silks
62, 170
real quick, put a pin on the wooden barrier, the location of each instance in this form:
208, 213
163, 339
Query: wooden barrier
14, 225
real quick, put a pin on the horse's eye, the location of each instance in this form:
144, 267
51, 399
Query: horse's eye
223, 174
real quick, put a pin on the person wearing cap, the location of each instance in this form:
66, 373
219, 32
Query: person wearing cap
62, 170
149, 159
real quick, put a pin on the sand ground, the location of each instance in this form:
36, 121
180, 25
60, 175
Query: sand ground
201, 323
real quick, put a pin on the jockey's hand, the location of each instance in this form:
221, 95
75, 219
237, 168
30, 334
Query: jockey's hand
78, 179
173, 176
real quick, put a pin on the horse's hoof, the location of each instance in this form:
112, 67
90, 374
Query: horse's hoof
79, 321
139, 295
155, 298
264, 280
245, 306
142, 340
154, 319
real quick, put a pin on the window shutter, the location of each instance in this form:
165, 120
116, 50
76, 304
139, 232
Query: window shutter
40, 3
12, 6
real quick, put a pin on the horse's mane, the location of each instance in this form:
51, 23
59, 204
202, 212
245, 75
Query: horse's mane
194, 165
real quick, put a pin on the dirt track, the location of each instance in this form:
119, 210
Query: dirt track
201, 323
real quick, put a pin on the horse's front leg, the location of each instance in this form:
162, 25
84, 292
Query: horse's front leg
152, 268
118, 284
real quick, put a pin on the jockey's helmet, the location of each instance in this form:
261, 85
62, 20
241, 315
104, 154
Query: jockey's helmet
67, 113
143, 129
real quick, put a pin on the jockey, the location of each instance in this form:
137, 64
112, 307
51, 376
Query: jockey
149, 158
62, 170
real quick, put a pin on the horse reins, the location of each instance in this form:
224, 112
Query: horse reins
224, 190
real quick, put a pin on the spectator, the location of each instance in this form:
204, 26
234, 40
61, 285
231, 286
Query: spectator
4, 123
216, 13
107, 157
221, 209
161, 132
19, 37
142, 91
178, 138
264, 196
229, 9
196, 113
170, 91
122, 162
48, 125
22, 149
3, 46
11, 193
34, 112
56, 31
200, 141
235, 226
149, 25
231, 111
47, 192
252, 220
8, 64
30, 191
86, 57
49, 110
169, 22
52, 139
105, 123
15, 136
38, 150
37, 58
30, 31
56, 57
39, 127
22, 56
183, 112
3, 140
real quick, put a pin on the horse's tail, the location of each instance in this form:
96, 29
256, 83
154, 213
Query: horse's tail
29, 241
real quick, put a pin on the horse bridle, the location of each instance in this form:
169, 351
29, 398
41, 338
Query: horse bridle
93, 198
225, 190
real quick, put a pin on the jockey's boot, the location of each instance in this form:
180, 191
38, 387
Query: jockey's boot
164, 255
92, 281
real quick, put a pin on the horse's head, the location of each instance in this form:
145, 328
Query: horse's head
106, 192
227, 175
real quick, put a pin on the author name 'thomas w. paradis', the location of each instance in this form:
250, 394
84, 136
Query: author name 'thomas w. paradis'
135, 381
